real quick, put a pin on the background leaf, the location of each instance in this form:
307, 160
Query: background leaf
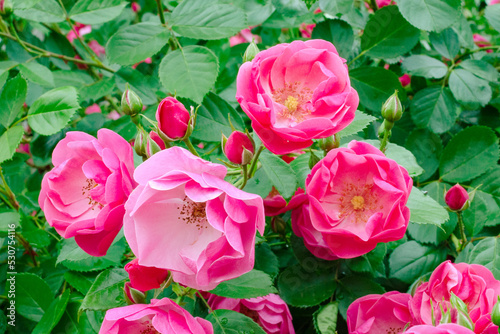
250, 285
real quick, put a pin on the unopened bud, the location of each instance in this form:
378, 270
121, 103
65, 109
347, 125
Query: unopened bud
495, 314
131, 102
155, 144
133, 296
251, 51
313, 160
238, 148
329, 143
174, 121
463, 317
140, 143
457, 198
392, 110
278, 225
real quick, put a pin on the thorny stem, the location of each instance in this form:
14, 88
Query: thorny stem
12, 197
245, 177
251, 170
385, 140
462, 230
160, 11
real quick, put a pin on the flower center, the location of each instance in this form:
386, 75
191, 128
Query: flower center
149, 329
358, 203
394, 330
254, 315
91, 184
193, 213
295, 100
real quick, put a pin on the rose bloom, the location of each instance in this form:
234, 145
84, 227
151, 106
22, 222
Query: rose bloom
296, 92
357, 198
83, 196
387, 313
185, 218
270, 312
474, 284
244, 36
161, 316
440, 329
307, 29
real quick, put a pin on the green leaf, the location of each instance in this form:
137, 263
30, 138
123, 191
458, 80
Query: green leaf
434, 108
137, 42
189, 72
412, 260
80, 281
469, 154
325, 318
213, 117
37, 74
334, 7
300, 287
401, 155
33, 296
46, 11
308, 260
338, 32
464, 32
489, 182
480, 68
301, 168
469, 89
425, 66
230, 322
426, 147
290, 8
97, 90
425, 210
96, 11
12, 99
202, 19
52, 315
431, 234
353, 287
483, 211
430, 15
253, 284
7, 65
143, 85
487, 253
107, 291
388, 35
370, 262
375, 85
492, 14
446, 43
360, 122
9, 141
52, 111
280, 174
74, 258
7, 218
266, 260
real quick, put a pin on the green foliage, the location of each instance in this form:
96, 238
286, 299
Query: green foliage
250, 285
228, 322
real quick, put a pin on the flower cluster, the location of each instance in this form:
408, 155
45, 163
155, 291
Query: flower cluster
459, 298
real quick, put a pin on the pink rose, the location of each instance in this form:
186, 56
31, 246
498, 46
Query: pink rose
114, 115
306, 29
161, 316
173, 118
357, 198
235, 147
440, 329
147, 61
135, 7
83, 196
81, 29
275, 204
98, 49
472, 283
494, 2
456, 197
296, 92
92, 109
145, 278
405, 80
387, 313
185, 218
383, 3
244, 36
481, 41
270, 312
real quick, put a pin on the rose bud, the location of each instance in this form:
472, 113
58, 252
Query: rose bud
495, 314
140, 143
238, 148
173, 119
133, 296
145, 278
392, 110
250, 52
131, 102
154, 144
457, 198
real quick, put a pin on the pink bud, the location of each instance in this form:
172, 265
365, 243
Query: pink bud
494, 2
98, 49
92, 109
405, 80
306, 29
456, 198
154, 144
135, 7
173, 118
133, 296
235, 147
145, 278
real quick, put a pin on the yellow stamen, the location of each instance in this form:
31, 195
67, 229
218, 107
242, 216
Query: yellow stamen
291, 103
358, 203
